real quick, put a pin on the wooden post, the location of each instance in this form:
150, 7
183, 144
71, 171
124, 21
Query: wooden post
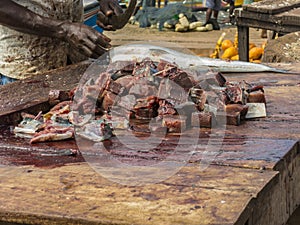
243, 42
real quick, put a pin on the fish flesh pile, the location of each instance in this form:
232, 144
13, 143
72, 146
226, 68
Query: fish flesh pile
153, 94
59, 124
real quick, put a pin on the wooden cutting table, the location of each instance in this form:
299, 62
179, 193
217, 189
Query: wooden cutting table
254, 178
281, 16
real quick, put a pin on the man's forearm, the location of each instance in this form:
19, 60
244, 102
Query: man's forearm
85, 39
20, 18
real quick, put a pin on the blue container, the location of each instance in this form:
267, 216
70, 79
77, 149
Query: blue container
91, 8
91, 21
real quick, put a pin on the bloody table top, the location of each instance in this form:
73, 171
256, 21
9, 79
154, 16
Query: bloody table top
47, 183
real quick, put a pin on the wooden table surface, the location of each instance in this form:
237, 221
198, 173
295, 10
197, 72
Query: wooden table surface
280, 16
253, 179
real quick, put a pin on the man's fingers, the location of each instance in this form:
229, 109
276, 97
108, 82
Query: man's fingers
104, 8
102, 18
103, 44
98, 51
100, 24
85, 51
110, 8
92, 49
98, 38
109, 13
116, 8
95, 44
103, 21
111, 16
105, 27
102, 40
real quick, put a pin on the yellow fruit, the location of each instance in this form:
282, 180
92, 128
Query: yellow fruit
226, 44
229, 52
256, 61
255, 53
251, 45
214, 55
263, 45
235, 57
236, 40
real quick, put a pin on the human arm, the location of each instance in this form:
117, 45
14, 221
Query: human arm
111, 16
110, 7
88, 41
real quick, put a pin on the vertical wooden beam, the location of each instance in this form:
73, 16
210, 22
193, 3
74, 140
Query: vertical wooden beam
243, 40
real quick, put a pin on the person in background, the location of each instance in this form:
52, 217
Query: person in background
231, 9
212, 12
38, 35
159, 3
263, 33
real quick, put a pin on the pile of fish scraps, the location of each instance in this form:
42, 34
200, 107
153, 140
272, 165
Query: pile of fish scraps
144, 96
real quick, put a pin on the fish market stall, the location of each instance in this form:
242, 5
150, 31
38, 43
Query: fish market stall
278, 16
248, 174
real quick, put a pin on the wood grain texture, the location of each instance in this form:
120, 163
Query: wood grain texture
253, 179
271, 6
32, 94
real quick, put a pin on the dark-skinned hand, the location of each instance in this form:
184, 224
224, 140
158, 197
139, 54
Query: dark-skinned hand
88, 41
107, 9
